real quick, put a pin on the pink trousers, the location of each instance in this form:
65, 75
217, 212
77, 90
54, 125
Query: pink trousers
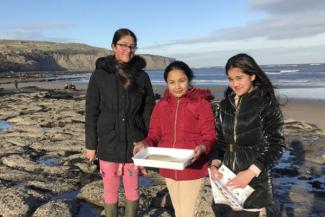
112, 173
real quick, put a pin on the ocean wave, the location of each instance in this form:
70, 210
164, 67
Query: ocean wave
273, 73
210, 81
289, 70
293, 81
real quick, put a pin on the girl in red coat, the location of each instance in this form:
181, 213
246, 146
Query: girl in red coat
183, 118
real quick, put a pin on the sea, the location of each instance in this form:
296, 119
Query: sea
300, 81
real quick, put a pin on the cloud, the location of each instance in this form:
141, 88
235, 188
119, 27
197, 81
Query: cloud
34, 31
300, 50
36, 36
295, 26
275, 55
286, 19
38, 26
287, 6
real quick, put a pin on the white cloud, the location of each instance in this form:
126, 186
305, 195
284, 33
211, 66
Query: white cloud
34, 31
34, 36
287, 6
291, 32
37, 26
299, 50
279, 27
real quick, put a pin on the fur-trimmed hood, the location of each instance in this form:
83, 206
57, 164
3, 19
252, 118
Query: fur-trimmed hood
109, 64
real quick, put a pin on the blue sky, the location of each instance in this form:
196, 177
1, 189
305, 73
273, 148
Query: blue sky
202, 33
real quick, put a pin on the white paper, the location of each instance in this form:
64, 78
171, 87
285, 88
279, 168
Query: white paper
235, 197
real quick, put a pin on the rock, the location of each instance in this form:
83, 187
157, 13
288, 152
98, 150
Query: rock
19, 201
17, 161
70, 86
43, 166
57, 208
292, 126
15, 176
154, 212
92, 193
54, 186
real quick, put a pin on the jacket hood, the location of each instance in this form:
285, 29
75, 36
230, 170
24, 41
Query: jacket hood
193, 93
109, 63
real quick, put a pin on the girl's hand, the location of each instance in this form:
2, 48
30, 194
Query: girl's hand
215, 173
90, 154
197, 152
138, 146
242, 179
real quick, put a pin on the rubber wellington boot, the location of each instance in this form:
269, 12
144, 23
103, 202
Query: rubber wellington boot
131, 208
110, 210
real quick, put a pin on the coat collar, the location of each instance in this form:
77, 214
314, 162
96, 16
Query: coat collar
192, 94
109, 64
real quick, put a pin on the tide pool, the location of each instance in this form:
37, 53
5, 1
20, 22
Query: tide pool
4, 125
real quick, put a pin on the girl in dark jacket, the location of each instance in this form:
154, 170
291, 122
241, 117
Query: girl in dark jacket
118, 106
183, 118
249, 126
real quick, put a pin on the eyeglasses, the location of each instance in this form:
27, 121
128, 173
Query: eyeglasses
132, 47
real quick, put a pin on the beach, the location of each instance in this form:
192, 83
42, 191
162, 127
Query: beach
43, 166
308, 110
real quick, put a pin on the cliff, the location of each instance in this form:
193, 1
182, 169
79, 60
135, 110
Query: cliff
49, 56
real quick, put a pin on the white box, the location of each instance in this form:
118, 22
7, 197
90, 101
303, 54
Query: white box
169, 158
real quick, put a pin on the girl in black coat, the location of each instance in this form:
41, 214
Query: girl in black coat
250, 137
119, 102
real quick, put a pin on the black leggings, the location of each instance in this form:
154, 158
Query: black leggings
221, 210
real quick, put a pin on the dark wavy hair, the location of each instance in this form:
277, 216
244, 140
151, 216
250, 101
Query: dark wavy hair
250, 67
126, 78
179, 65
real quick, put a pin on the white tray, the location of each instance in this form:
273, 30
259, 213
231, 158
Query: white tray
169, 158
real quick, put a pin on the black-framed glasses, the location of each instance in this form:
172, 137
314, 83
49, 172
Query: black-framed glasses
132, 47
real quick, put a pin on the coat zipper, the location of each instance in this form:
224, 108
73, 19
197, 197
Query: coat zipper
175, 122
175, 125
232, 146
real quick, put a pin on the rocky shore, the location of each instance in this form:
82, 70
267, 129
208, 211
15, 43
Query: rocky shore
43, 171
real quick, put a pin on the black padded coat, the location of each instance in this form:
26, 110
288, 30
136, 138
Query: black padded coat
117, 117
250, 133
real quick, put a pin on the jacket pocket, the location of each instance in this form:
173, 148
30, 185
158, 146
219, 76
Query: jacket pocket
106, 142
105, 124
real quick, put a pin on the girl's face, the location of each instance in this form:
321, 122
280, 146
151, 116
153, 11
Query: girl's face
124, 49
177, 83
240, 82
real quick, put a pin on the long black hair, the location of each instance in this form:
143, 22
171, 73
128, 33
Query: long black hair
250, 67
126, 77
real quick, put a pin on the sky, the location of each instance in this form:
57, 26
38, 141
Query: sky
203, 33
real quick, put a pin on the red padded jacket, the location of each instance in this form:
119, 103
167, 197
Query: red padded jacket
184, 122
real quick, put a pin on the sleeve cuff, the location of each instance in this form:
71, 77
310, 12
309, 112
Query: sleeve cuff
216, 163
255, 169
